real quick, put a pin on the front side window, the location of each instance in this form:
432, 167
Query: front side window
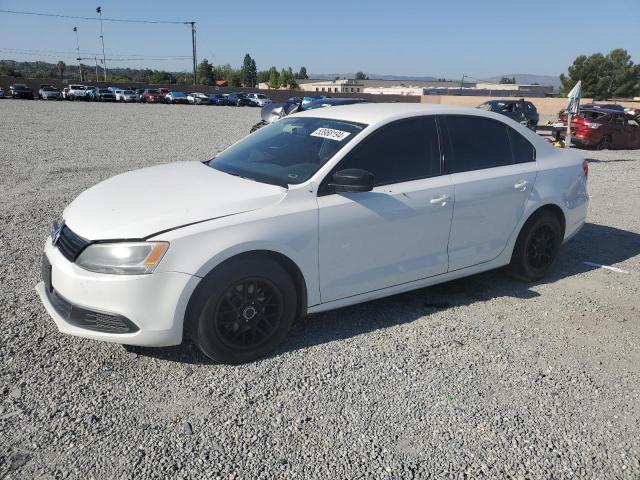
402, 151
287, 152
475, 143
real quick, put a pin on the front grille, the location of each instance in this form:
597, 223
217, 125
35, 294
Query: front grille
71, 244
83, 318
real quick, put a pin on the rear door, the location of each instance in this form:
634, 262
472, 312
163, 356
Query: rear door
493, 170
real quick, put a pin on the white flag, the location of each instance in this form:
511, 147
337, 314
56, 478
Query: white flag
574, 98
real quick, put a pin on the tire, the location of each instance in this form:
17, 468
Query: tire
605, 143
537, 246
242, 310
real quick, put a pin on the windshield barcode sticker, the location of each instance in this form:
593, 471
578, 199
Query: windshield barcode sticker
331, 134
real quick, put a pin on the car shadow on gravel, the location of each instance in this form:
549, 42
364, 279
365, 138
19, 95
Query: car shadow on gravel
597, 244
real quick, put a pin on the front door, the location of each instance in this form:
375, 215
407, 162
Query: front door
396, 233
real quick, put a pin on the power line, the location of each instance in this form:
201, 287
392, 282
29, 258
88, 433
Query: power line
26, 51
94, 19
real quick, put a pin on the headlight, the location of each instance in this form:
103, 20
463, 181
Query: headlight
122, 258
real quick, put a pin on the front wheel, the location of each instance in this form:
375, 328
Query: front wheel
605, 143
536, 247
242, 310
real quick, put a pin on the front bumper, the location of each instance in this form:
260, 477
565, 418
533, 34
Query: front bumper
154, 304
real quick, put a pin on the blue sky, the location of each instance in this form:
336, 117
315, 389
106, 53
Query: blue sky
480, 38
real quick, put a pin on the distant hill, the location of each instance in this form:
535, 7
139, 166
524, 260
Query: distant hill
522, 78
372, 76
530, 78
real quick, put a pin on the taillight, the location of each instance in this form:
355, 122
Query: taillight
585, 168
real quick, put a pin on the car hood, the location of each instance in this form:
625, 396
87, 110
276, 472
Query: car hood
144, 202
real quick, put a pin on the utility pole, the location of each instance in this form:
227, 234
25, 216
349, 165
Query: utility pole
75, 29
193, 46
104, 58
96, 59
462, 83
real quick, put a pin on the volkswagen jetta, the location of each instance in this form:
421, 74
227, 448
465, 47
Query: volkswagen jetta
320, 210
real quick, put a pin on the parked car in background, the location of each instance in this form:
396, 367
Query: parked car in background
20, 90
521, 111
239, 99
260, 99
176, 97
273, 112
129, 96
49, 92
164, 91
65, 93
77, 92
197, 98
151, 95
1, 92
105, 95
602, 129
218, 99
91, 92
322, 210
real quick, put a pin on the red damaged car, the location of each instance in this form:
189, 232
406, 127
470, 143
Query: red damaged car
152, 95
602, 129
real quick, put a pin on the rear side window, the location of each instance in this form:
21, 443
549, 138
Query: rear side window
474, 143
399, 152
521, 148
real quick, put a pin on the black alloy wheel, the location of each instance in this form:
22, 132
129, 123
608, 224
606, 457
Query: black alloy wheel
537, 246
541, 247
242, 309
248, 313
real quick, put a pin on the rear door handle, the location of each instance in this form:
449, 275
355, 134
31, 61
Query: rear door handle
521, 185
441, 200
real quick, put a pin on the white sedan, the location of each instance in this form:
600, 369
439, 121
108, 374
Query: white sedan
260, 99
323, 209
197, 98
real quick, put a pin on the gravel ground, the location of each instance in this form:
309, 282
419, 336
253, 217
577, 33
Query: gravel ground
485, 377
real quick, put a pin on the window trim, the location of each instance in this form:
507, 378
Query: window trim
324, 189
446, 143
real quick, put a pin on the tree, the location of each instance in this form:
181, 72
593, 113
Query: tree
287, 79
205, 72
604, 76
160, 76
61, 66
274, 78
361, 76
249, 71
263, 76
508, 80
302, 74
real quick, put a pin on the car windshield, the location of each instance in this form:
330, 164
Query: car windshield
153, 91
287, 152
262, 96
103, 90
50, 89
178, 94
485, 106
128, 92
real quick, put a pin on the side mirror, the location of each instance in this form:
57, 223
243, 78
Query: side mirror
352, 180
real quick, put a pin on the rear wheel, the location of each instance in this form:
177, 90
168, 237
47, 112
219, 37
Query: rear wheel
242, 310
537, 246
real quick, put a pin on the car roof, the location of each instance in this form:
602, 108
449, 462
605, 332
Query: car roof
373, 113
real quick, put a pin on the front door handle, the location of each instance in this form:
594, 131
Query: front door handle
521, 185
441, 200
